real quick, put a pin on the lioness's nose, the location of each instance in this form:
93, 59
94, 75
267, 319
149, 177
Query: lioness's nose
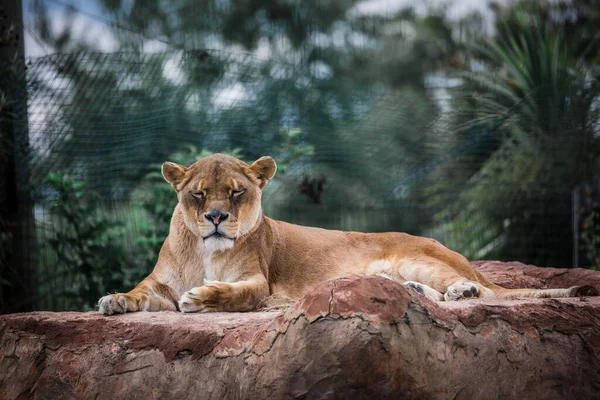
216, 216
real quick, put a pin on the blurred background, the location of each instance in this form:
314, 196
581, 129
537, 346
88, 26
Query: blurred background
472, 122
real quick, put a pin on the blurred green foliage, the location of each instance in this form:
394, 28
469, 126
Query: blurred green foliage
532, 114
88, 244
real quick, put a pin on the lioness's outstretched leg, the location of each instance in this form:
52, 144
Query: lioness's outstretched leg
454, 276
442, 278
149, 295
387, 269
243, 295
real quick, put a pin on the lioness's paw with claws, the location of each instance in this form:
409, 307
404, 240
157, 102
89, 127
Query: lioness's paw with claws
189, 303
415, 285
204, 298
425, 290
118, 303
461, 290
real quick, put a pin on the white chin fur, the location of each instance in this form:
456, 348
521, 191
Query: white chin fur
213, 244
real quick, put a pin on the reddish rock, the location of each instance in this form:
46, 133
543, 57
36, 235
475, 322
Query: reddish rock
518, 275
356, 337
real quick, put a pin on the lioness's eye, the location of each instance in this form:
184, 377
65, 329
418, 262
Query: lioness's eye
236, 193
198, 195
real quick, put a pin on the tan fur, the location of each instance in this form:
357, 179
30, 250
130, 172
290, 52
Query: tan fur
255, 257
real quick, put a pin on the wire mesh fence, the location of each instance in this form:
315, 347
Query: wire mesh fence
351, 157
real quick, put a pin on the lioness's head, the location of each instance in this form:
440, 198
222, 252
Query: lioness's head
220, 196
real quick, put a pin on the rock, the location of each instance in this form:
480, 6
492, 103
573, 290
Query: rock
518, 275
356, 337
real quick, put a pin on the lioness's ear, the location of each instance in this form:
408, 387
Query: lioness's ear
264, 169
173, 173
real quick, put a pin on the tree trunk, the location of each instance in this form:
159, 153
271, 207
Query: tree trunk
17, 233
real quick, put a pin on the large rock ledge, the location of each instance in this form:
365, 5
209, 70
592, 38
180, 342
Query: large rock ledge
355, 337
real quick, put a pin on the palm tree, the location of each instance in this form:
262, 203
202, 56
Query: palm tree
520, 182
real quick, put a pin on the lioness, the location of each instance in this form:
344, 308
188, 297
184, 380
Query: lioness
223, 254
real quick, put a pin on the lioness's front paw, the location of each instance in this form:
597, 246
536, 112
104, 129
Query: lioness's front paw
118, 303
204, 298
188, 303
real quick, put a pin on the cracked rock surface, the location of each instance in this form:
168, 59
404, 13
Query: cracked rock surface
355, 337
